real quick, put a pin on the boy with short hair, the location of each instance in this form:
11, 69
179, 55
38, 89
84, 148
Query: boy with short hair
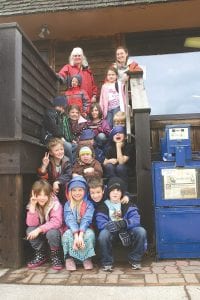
56, 168
119, 119
119, 221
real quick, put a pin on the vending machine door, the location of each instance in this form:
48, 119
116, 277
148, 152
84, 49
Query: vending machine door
177, 232
176, 186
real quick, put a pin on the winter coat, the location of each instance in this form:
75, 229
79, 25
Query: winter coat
52, 219
79, 168
86, 215
129, 214
78, 96
87, 84
101, 126
55, 124
103, 101
51, 174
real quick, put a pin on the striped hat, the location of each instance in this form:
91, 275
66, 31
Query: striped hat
85, 150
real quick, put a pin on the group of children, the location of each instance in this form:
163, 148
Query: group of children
91, 212
70, 209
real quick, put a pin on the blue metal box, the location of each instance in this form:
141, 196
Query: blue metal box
177, 232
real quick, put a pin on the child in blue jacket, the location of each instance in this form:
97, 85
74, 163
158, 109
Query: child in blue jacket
79, 239
119, 221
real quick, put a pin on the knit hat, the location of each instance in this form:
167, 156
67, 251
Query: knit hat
85, 150
115, 130
59, 101
116, 183
77, 181
86, 134
78, 77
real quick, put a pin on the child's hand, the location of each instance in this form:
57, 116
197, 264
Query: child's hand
89, 170
113, 161
33, 234
125, 200
45, 160
33, 202
76, 242
56, 187
119, 144
81, 241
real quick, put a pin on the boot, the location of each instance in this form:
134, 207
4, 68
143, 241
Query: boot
39, 259
56, 259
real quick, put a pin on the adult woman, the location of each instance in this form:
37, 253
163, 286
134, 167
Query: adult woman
78, 65
124, 64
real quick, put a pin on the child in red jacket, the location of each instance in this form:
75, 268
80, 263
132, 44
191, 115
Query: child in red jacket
76, 95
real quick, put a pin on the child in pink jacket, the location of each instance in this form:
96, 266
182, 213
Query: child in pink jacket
112, 97
44, 220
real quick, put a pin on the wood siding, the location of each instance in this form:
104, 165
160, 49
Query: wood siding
27, 85
158, 124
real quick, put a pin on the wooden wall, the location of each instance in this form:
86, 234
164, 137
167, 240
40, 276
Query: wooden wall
158, 123
100, 53
27, 85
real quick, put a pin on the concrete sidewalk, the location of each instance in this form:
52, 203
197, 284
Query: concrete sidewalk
49, 292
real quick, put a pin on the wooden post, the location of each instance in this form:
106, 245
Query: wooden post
141, 112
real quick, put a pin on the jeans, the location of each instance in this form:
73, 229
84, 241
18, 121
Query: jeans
110, 115
53, 237
116, 171
137, 248
70, 151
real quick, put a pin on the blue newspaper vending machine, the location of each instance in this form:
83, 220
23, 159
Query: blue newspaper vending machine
176, 188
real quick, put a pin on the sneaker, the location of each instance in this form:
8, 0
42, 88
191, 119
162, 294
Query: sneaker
70, 264
107, 268
87, 264
136, 266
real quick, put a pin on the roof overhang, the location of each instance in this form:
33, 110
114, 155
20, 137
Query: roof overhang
69, 25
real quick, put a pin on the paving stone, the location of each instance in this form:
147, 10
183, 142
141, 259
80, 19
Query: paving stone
54, 281
26, 279
131, 280
170, 278
151, 278
19, 271
171, 269
194, 262
182, 263
85, 276
158, 270
57, 275
190, 269
112, 278
3, 272
74, 279
92, 281
190, 278
163, 263
37, 278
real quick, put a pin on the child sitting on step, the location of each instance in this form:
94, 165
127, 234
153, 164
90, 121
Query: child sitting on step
79, 240
119, 221
44, 221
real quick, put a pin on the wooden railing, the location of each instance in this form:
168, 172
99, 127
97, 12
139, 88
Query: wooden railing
141, 116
